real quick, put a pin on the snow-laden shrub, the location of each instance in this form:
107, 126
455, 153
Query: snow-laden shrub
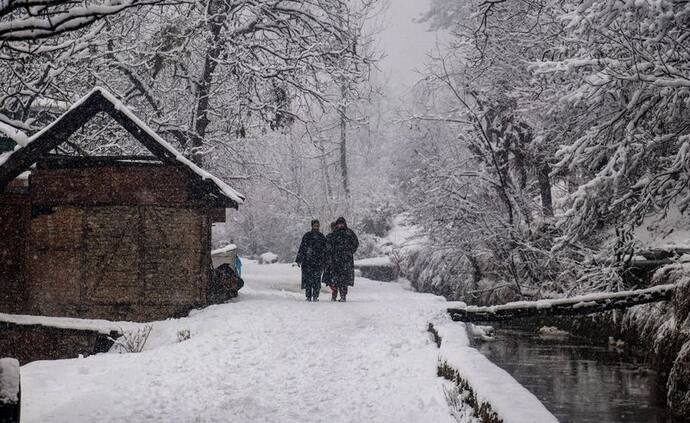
132, 341
377, 222
453, 276
369, 246
183, 335
458, 401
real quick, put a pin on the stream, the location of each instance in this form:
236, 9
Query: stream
579, 381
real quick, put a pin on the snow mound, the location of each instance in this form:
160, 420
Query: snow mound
552, 332
481, 333
268, 258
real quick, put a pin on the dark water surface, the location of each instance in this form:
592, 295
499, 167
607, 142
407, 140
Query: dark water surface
578, 381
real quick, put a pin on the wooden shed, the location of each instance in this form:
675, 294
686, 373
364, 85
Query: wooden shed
110, 237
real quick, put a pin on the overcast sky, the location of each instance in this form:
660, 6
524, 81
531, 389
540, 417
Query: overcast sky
405, 42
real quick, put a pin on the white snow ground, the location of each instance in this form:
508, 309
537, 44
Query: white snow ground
267, 357
666, 230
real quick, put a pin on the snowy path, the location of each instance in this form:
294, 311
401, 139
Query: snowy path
269, 357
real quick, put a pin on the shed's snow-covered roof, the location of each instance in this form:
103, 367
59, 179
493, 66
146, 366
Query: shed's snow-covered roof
97, 100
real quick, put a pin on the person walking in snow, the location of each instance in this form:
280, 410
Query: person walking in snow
327, 275
313, 251
342, 244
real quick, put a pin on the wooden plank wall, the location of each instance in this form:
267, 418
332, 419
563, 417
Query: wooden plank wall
110, 242
15, 214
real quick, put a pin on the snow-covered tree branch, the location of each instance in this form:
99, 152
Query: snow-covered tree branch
27, 20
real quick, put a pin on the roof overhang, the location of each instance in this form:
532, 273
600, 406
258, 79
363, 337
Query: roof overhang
99, 100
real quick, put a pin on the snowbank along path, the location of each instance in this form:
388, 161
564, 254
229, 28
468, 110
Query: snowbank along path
267, 357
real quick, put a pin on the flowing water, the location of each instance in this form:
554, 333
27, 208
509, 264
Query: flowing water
578, 381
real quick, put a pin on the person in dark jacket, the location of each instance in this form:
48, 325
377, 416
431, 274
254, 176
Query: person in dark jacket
342, 245
327, 277
313, 251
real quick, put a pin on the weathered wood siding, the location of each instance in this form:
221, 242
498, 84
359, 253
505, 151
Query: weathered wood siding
15, 213
118, 262
112, 242
112, 185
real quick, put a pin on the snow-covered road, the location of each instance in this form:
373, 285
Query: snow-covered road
267, 357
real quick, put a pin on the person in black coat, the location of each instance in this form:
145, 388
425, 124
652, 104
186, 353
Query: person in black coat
313, 251
342, 244
327, 278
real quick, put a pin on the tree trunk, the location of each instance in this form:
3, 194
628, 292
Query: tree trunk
324, 166
343, 145
217, 13
585, 304
477, 274
295, 166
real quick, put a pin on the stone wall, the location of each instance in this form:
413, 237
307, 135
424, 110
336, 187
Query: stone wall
29, 343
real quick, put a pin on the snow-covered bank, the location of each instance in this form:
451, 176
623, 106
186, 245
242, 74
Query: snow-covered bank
493, 389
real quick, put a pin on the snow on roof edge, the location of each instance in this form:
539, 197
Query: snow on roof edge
226, 249
72, 107
226, 189
97, 325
